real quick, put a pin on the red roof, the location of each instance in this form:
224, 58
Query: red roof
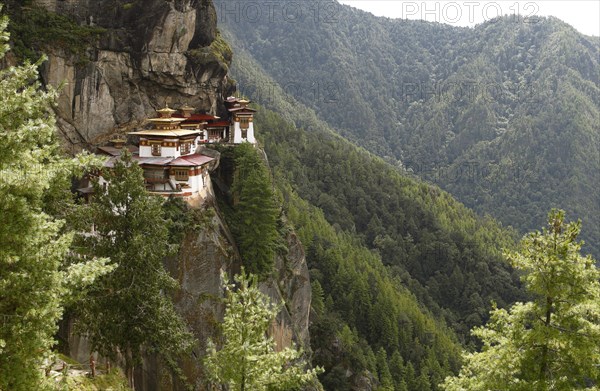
191, 160
217, 124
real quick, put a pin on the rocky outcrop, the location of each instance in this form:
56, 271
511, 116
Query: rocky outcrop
152, 52
203, 255
291, 285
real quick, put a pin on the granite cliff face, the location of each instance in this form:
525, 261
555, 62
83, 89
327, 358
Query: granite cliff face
203, 255
151, 53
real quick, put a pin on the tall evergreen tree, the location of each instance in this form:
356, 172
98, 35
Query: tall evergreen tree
247, 359
255, 223
33, 280
128, 311
383, 370
552, 342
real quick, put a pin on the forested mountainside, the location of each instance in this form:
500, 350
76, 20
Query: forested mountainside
505, 116
438, 254
400, 270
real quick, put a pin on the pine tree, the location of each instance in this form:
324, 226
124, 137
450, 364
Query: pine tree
128, 311
383, 371
410, 376
422, 383
255, 225
34, 282
247, 359
318, 301
397, 368
552, 342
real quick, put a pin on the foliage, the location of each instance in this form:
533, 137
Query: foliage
366, 310
218, 50
114, 380
448, 257
552, 342
36, 30
419, 95
254, 222
247, 359
510, 104
34, 283
128, 311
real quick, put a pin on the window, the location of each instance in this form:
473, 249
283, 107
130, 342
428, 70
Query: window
154, 176
244, 122
155, 149
185, 148
214, 134
180, 174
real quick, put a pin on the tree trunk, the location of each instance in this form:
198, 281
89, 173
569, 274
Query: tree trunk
129, 367
130, 379
544, 360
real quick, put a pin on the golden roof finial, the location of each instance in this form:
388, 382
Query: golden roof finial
166, 112
187, 110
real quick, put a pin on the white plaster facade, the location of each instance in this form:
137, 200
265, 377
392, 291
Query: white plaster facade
238, 133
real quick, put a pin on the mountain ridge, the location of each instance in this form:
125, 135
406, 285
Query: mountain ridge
484, 112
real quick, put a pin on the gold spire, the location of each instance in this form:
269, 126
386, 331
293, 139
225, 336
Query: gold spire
166, 112
187, 110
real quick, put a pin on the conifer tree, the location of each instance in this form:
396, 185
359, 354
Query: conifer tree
255, 224
552, 342
247, 360
34, 282
383, 370
128, 311
397, 368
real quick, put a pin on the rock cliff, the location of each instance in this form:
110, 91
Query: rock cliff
204, 254
151, 52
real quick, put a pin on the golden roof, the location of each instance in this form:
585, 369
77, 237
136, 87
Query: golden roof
167, 120
166, 112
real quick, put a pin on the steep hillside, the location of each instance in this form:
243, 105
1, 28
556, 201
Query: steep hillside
504, 116
449, 258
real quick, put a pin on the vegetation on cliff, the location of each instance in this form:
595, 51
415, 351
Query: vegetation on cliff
218, 51
35, 30
251, 212
245, 358
128, 312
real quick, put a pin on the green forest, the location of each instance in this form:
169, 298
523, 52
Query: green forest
504, 116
